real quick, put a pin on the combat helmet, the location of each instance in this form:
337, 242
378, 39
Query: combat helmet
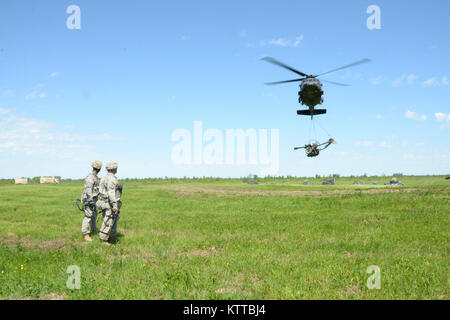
97, 164
111, 165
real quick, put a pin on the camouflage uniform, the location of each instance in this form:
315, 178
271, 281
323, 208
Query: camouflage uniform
89, 198
110, 193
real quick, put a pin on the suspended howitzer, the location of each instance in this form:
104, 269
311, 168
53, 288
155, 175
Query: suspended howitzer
313, 149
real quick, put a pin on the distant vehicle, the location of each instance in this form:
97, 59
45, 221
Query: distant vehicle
311, 92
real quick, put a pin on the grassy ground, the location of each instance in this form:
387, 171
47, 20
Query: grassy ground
225, 239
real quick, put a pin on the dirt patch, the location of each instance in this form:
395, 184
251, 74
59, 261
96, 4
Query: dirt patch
378, 220
53, 244
12, 241
350, 255
161, 233
119, 256
225, 291
15, 298
183, 191
255, 280
199, 252
52, 296
353, 289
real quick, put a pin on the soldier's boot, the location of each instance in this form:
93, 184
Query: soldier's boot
87, 238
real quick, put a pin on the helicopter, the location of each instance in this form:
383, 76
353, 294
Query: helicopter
311, 92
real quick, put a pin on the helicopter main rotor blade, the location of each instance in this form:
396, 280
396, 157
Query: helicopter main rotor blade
278, 63
336, 83
285, 81
344, 67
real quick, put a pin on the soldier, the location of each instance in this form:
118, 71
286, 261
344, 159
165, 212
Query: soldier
89, 198
110, 193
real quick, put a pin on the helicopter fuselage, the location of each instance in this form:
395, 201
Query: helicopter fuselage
310, 93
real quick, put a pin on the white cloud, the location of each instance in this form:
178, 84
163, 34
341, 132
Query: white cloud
442, 117
36, 92
415, 116
7, 93
405, 79
4, 111
298, 40
379, 116
28, 136
385, 144
413, 156
435, 82
364, 143
31, 95
242, 33
282, 42
54, 74
397, 82
377, 80
368, 143
411, 77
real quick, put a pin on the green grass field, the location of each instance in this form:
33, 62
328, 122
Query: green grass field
225, 239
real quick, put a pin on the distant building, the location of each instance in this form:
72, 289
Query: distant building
49, 180
21, 181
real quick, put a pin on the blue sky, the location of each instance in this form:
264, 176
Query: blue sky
137, 70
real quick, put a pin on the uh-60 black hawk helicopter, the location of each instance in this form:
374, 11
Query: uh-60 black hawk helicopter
311, 92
